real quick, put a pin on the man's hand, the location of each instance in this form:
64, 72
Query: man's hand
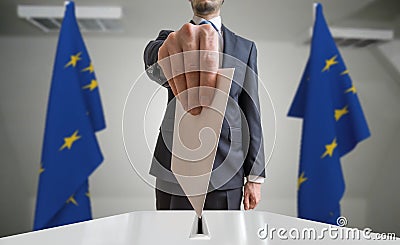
252, 195
182, 71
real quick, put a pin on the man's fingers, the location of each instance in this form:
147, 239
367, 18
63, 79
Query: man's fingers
208, 77
192, 83
173, 87
209, 62
252, 195
178, 70
165, 64
253, 202
190, 47
181, 71
192, 66
246, 201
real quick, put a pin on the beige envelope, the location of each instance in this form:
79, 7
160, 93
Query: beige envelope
195, 142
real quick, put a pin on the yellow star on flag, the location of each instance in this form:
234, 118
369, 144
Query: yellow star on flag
301, 180
41, 169
87, 194
90, 68
68, 141
351, 90
71, 199
73, 60
92, 85
328, 63
341, 112
329, 149
344, 73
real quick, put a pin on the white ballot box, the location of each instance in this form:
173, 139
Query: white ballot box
181, 227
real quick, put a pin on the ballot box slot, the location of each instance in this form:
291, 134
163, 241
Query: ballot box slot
199, 226
199, 229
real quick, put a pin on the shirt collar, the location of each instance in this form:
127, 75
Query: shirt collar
217, 21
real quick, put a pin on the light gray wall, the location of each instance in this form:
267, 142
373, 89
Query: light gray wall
383, 199
391, 52
26, 67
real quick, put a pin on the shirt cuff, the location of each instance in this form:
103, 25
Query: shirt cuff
255, 179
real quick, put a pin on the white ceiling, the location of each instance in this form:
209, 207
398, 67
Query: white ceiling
257, 19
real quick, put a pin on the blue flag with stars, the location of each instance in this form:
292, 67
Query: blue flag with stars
333, 124
70, 149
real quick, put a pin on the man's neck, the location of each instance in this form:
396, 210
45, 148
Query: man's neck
209, 16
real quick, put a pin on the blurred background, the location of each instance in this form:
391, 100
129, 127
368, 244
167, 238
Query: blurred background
280, 29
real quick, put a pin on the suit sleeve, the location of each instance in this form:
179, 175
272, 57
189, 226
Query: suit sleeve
254, 163
150, 57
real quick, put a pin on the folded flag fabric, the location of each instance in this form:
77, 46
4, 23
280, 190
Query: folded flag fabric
70, 150
333, 124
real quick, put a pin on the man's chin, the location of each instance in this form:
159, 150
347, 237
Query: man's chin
205, 7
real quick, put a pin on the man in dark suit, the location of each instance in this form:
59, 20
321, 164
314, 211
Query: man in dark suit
240, 153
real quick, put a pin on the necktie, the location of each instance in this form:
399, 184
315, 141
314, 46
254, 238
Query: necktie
205, 22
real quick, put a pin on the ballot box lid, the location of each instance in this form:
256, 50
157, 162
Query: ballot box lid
176, 227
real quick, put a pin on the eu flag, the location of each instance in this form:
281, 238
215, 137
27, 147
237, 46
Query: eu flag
70, 149
333, 124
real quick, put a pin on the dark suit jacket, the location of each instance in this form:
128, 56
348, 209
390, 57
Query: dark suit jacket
240, 149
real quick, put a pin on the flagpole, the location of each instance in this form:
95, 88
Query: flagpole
314, 12
315, 5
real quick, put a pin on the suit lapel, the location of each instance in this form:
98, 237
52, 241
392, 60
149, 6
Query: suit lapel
229, 45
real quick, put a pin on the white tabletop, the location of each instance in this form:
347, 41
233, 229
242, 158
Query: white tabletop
174, 227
